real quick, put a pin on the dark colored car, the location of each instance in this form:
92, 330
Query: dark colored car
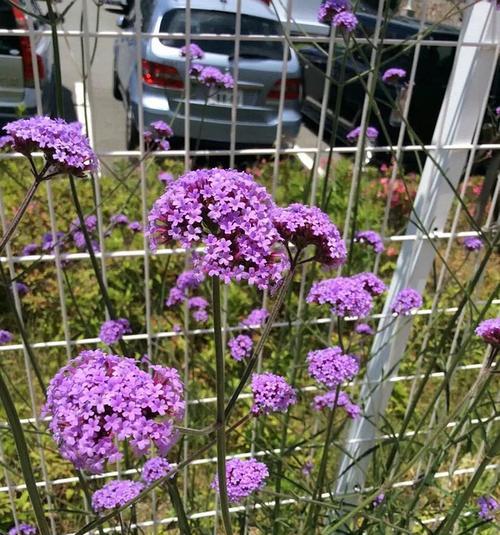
431, 79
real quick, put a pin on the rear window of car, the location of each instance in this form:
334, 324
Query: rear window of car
8, 43
205, 21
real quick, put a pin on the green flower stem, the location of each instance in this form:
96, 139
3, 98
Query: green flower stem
220, 417
175, 496
312, 516
22, 451
19, 214
260, 344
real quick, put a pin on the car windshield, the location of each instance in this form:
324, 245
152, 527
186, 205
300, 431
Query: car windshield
205, 21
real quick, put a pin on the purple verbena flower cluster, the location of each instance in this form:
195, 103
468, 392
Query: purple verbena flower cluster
271, 393
135, 226
406, 302
256, 318
489, 331
327, 400
30, 248
119, 219
165, 177
371, 238
21, 288
240, 346
230, 214
393, 75
331, 366
364, 329
307, 225
378, 500
48, 242
211, 77
371, 134
156, 137
195, 51
23, 529
473, 243
187, 280
154, 469
338, 13
199, 306
98, 399
5, 336
347, 296
115, 494
77, 234
243, 478
488, 506
113, 330
65, 148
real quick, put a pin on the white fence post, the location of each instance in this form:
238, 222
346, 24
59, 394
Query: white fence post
460, 116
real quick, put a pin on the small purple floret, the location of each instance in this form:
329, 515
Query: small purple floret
364, 329
331, 367
195, 52
393, 75
378, 500
473, 243
114, 494
371, 134
240, 346
154, 469
488, 506
329, 8
489, 331
271, 393
5, 336
371, 238
23, 529
406, 302
30, 249
113, 330
256, 318
345, 20
119, 219
327, 400
243, 478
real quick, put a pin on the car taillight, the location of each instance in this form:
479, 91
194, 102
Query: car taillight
161, 75
25, 45
292, 90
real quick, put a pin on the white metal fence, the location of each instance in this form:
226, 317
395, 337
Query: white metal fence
88, 76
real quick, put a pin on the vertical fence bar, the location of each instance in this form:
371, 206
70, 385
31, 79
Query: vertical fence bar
457, 122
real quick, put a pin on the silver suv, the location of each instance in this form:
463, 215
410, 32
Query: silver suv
163, 72
17, 76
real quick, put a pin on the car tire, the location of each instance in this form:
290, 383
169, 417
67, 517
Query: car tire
131, 132
116, 87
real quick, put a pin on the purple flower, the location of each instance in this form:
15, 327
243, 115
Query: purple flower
331, 367
307, 468
6, 142
119, 219
271, 393
113, 330
230, 215
406, 302
213, 77
371, 238
257, 318
156, 137
489, 331
98, 400
307, 225
165, 177
393, 75
22, 289
371, 134
240, 346
154, 469
347, 296
329, 8
473, 243
115, 494
195, 70
90, 223
5, 336
378, 500
497, 111
243, 478
363, 328
187, 280
65, 148
48, 243
199, 305
176, 328
370, 283
23, 529
487, 507
327, 400
195, 52
345, 20
30, 249
135, 226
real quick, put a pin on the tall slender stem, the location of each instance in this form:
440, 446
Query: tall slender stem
179, 507
220, 417
19, 214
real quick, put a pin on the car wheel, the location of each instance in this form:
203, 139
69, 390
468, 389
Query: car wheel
131, 132
116, 87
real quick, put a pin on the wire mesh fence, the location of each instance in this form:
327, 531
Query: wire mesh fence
300, 86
